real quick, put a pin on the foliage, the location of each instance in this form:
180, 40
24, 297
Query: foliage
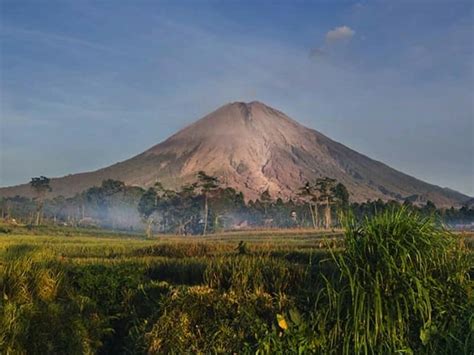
40, 184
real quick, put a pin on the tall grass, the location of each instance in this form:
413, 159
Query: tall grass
401, 287
38, 315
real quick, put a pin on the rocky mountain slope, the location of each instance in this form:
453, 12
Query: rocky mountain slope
253, 147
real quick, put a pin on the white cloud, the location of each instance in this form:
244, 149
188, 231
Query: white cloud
340, 33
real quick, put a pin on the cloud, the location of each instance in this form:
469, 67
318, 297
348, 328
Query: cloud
340, 33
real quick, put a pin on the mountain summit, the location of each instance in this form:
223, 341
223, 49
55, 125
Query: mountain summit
253, 147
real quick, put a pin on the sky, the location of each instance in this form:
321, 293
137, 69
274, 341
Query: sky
84, 84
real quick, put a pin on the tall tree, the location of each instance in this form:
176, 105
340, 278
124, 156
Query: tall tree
111, 187
266, 200
207, 184
228, 207
341, 196
41, 187
326, 187
102, 198
309, 194
147, 206
185, 210
429, 208
306, 193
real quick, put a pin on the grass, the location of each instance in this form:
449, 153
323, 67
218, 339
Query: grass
395, 283
398, 276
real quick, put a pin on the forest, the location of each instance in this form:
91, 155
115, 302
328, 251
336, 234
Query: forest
205, 207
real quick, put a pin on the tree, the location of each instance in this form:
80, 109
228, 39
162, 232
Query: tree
226, 202
266, 200
147, 206
429, 208
56, 207
326, 187
309, 194
102, 198
341, 195
185, 210
207, 184
41, 187
111, 187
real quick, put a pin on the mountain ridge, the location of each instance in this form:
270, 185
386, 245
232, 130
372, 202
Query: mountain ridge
253, 147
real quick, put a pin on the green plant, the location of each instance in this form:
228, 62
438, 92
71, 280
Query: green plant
401, 287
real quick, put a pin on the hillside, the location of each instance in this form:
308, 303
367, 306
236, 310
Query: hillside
253, 147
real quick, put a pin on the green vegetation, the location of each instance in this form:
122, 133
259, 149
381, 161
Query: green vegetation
395, 283
205, 207
41, 186
402, 285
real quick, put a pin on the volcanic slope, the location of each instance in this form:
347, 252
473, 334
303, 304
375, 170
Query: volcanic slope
253, 147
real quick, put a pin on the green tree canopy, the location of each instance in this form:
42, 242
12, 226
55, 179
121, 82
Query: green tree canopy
41, 186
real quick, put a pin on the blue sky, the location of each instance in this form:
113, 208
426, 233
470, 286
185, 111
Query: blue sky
85, 84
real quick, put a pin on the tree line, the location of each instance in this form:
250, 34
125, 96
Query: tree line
203, 207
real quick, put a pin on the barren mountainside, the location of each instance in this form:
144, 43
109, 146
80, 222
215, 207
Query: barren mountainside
253, 147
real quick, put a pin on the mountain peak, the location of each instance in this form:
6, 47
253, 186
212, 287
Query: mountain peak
237, 111
253, 147
248, 104
257, 105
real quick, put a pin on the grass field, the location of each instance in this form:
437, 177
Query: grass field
75, 291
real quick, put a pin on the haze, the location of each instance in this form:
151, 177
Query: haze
84, 84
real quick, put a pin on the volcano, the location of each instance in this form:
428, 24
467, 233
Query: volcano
252, 148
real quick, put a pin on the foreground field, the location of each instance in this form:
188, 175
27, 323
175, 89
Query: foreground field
396, 284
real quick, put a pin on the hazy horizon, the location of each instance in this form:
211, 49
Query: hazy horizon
85, 85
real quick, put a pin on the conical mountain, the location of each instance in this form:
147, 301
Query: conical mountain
253, 147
